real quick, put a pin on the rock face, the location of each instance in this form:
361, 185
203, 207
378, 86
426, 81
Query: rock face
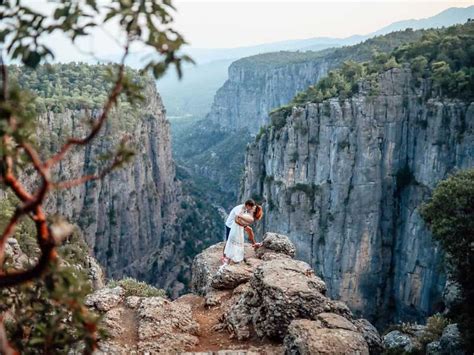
254, 88
137, 220
124, 216
258, 84
344, 180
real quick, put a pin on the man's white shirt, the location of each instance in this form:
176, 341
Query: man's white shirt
231, 217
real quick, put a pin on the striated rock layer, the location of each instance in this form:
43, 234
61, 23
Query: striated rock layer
344, 179
137, 221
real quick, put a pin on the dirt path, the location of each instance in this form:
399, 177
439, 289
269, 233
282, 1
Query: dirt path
213, 340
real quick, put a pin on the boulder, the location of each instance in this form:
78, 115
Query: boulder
370, 334
396, 340
207, 263
306, 337
450, 341
275, 245
231, 276
280, 291
105, 299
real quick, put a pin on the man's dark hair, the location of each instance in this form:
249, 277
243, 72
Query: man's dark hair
250, 202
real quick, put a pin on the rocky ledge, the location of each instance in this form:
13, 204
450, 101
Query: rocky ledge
268, 304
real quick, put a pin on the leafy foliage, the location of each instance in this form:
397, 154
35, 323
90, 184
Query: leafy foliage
434, 329
450, 216
48, 315
134, 287
72, 86
444, 56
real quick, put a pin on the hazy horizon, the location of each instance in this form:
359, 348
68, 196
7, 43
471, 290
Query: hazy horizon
228, 24
275, 21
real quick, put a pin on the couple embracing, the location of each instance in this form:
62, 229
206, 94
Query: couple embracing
238, 222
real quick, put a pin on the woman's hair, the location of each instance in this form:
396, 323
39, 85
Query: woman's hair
258, 214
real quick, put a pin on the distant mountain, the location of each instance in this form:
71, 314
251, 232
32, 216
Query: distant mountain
194, 94
448, 17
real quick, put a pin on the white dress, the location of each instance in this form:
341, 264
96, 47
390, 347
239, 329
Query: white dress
234, 248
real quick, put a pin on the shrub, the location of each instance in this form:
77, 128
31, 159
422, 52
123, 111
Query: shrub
134, 287
450, 216
434, 329
48, 316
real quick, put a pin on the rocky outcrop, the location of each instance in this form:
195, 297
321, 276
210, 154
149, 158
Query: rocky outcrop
281, 291
344, 179
143, 324
269, 306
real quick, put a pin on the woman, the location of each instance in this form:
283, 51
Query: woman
234, 249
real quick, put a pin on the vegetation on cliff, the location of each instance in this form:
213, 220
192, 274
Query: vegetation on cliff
450, 215
442, 56
74, 86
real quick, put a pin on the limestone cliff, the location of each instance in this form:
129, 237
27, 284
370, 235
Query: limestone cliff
137, 220
260, 83
345, 178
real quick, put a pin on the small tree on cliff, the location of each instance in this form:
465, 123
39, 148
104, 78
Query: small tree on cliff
450, 215
24, 34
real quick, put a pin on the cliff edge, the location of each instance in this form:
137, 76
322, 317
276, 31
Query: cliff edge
268, 304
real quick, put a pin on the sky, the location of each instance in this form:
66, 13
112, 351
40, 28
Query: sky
225, 24
228, 24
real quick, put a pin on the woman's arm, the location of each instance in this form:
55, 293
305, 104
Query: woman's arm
244, 219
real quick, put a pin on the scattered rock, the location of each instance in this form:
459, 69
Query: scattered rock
398, 340
106, 299
306, 337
